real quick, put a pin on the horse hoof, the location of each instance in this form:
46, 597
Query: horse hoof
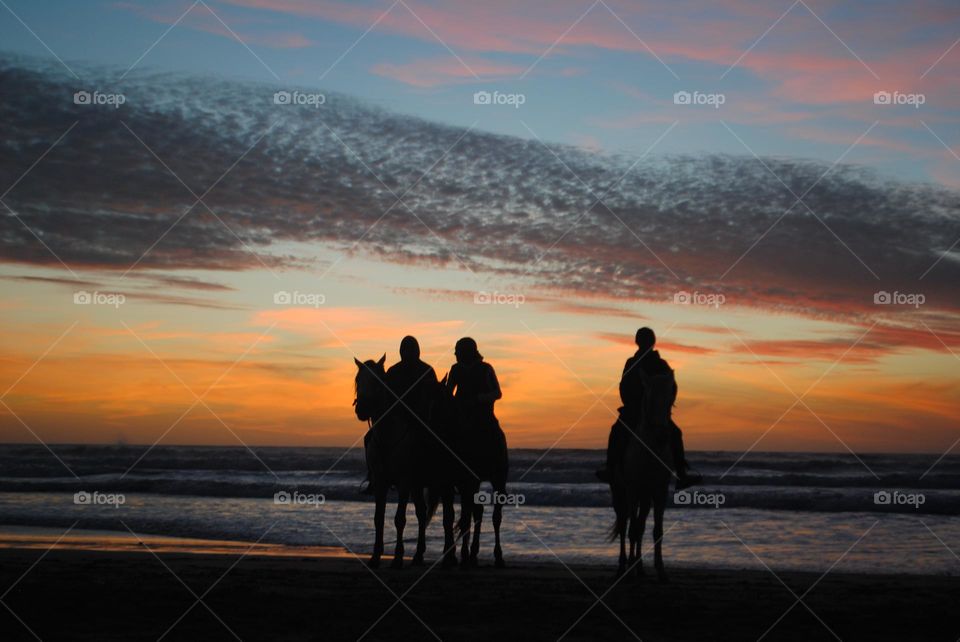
449, 562
397, 562
374, 562
417, 560
662, 578
499, 563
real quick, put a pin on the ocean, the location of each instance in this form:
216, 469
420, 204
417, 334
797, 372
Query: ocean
869, 513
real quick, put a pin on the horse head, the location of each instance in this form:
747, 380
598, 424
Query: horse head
370, 387
444, 412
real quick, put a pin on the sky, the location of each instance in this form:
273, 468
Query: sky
210, 208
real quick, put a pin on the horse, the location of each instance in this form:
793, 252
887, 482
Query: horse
480, 454
395, 456
643, 479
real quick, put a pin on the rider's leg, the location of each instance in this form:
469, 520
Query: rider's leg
616, 444
685, 479
366, 487
676, 445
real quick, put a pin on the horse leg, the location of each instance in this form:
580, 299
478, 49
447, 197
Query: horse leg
501, 490
466, 510
420, 507
475, 546
449, 543
659, 504
400, 521
381, 507
619, 525
643, 510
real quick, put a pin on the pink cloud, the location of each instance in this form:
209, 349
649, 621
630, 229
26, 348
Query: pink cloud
201, 18
800, 58
434, 72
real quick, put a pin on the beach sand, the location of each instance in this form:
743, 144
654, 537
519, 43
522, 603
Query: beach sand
133, 595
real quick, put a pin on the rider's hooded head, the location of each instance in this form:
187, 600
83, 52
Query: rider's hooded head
466, 351
409, 349
645, 339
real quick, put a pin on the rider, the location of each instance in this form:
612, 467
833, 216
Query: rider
646, 361
475, 381
413, 383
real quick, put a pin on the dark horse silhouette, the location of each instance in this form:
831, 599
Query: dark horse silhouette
642, 479
479, 453
405, 454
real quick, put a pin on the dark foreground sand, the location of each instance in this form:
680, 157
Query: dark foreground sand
134, 596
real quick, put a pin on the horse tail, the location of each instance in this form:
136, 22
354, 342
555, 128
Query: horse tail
614, 532
620, 522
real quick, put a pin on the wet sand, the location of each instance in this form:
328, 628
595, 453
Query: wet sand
126, 595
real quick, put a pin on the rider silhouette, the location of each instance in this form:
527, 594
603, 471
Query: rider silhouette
413, 383
474, 385
646, 361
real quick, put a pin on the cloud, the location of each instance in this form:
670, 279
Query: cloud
202, 18
434, 72
804, 57
505, 207
665, 346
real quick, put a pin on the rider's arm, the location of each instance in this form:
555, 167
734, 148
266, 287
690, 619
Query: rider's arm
492, 385
624, 388
452, 378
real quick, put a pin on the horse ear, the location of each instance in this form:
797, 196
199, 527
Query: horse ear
383, 360
443, 382
357, 361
